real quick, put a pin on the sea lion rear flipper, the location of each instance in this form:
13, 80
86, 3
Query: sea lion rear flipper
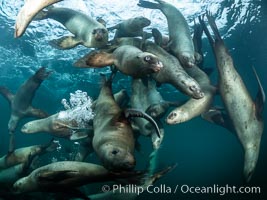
147, 4
139, 113
51, 146
218, 117
65, 42
6, 93
260, 97
55, 176
213, 26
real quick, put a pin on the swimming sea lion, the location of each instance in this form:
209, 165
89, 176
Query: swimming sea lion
58, 125
173, 73
87, 31
132, 27
144, 94
21, 102
194, 107
181, 43
245, 115
21, 155
113, 139
128, 59
64, 175
27, 13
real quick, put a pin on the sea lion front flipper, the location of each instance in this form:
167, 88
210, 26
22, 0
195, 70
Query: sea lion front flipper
157, 36
55, 176
139, 113
218, 117
95, 59
6, 93
65, 42
34, 112
260, 97
76, 135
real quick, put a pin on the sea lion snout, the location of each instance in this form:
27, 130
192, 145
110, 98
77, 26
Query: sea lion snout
99, 34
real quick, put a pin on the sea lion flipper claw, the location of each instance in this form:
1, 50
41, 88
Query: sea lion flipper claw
139, 113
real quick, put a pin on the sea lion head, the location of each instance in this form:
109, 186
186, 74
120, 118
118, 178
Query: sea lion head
22, 185
28, 127
190, 86
150, 63
100, 34
141, 22
117, 157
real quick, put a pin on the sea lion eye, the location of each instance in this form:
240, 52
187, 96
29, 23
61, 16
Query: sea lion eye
147, 58
94, 31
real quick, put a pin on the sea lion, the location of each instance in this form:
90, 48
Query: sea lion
181, 43
64, 175
132, 27
161, 40
127, 59
145, 94
245, 114
197, 41
21, 102
87, 31
173, 73
58, 125
194, 107
21, 155
27, 13
113, 139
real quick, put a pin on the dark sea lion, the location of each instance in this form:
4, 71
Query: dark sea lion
65, 175
21, 102
194, 107
27, 13
58, 125
145, 94
173, 73
245, 114
181, 43
21, 155
132, 27
197, 41
127, 59
87, 31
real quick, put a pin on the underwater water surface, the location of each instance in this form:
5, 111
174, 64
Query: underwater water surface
206, 154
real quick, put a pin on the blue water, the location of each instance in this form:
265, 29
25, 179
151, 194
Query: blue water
206, 154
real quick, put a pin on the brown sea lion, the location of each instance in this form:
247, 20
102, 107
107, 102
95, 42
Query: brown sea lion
64, 175
127, 59
87, 31
58, 125
27, 13
113, 139
181, 43
245, 114
132, 27
194, 107
21, 155
21, 102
